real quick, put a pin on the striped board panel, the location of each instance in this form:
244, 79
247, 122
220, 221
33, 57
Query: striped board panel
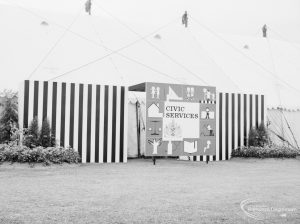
90, 118
236, 113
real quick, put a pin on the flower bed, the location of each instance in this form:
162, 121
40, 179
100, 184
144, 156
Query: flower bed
23, 154
265, 152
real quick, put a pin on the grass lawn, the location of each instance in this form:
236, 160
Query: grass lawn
138, 192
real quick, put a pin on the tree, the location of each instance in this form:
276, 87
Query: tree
31, 139
258, 136
45, 135
262, 135
253, 137
9, 115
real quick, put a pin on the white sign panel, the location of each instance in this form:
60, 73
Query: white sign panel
180, 120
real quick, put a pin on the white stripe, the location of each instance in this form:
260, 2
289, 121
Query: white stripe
49, 102
259, 109
67, 115
223, 127
76, 109
229, 125
235, 121
101, 121
30, 102
93, 112
197, 158
40, 103
248, 116
109, 129
253, 111
21, 109
217, 126
125, 124
84, 122
265, 110
118, 124
242, 119
58, 113
204, 158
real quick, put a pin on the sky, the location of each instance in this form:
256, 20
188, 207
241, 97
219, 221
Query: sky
24, 44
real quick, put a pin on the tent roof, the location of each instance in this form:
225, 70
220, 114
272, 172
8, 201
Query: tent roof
193, 55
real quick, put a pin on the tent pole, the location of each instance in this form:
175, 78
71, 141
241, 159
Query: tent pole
137, 105
289, 127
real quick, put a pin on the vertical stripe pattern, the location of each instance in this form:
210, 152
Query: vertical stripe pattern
236, 113
92, 119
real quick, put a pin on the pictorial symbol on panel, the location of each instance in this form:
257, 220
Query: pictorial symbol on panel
208, 143
172, 130
155, 129
208, 95
207, 114
172, 95
207, 130
190, 91
153, 110
213, 97
155, 91
190, 147
155, 143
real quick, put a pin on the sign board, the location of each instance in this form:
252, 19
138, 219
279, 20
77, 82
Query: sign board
180, 120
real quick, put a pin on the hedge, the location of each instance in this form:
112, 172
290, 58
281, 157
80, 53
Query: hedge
265, 152
23, 154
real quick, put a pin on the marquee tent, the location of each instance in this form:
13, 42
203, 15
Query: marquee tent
105, 50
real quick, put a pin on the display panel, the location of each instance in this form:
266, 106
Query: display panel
181, 120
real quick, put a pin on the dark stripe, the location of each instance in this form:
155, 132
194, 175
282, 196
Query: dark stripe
80, 116
36, 99
220, 125
63, 114
45, 100
214, 158
245, 120
233, 121
194, 158
97, 128
207, 158
239, 120
26, 103
262, 109
105, 125
114, 117
256, 111
72, 105
251, 112
122, 123
226, 126
89, 121
54, 101
201, 158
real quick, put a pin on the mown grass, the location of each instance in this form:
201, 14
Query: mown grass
138, 192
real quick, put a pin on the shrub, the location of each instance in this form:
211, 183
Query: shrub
9, 116
258, 136
265, 152
31, 138
24, 154
263, 136
253, 137
45, 135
